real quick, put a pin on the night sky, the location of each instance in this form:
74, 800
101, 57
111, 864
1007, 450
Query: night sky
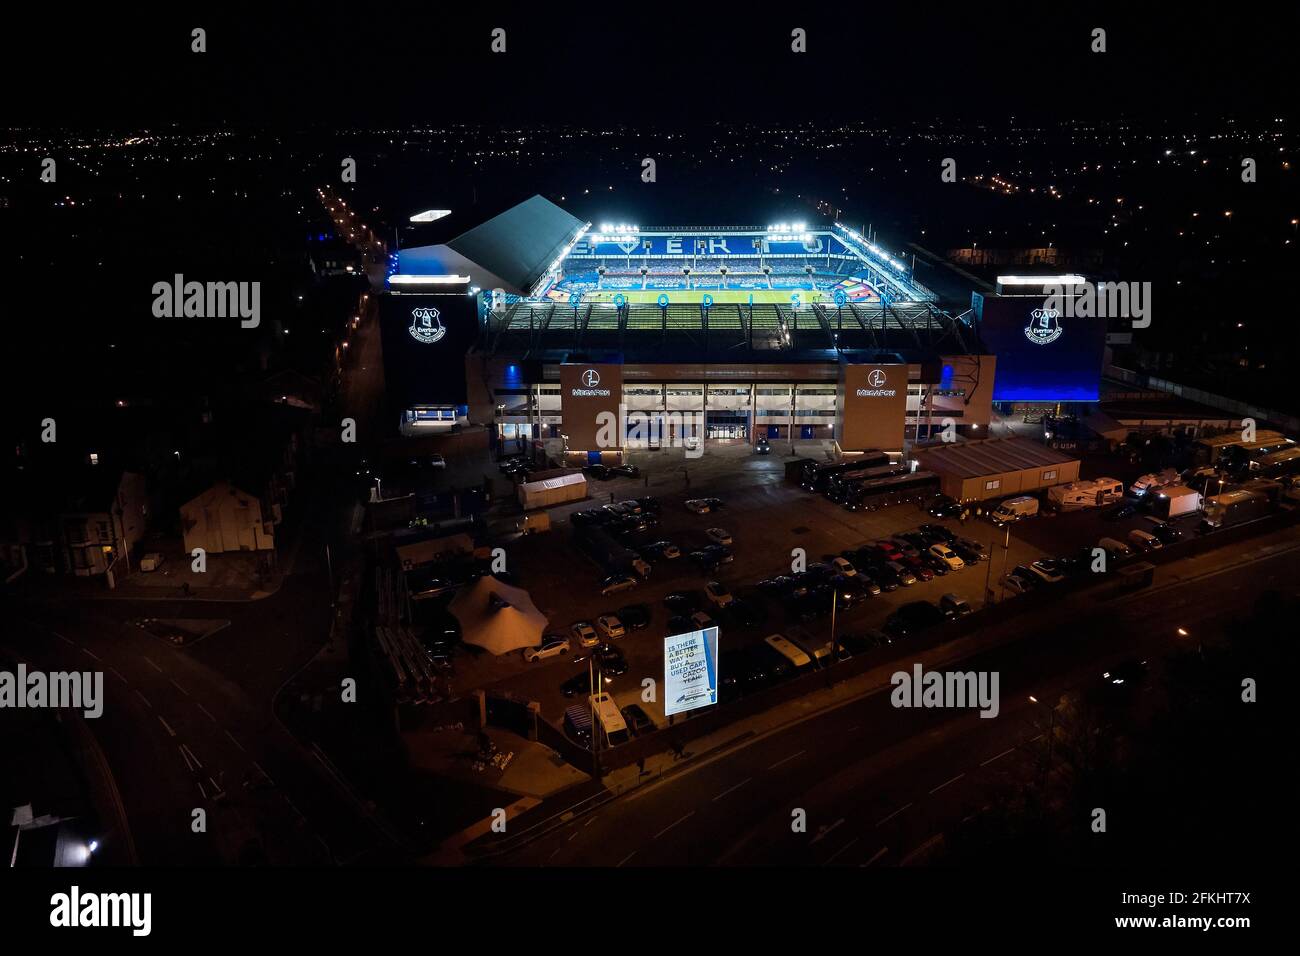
342, 63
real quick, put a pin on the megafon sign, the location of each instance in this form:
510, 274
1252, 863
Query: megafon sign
871, 409
586, 391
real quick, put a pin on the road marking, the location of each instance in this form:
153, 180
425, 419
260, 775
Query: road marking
946, 782
589, 822
572, 837
785, 760
88, 651
999, 756
149, 661
553, 853
821, 834
853, 728
831, 858
62, 638
201, 790
234, 741
625, 859
671, 825
731, 789
205, 712
894, 814
114, 671
145, 699
179, 687
879, 853
188, 754
1032, 739
170, 732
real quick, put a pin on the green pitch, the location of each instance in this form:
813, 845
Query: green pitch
720, 296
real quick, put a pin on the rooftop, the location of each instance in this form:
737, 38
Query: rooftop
970, 459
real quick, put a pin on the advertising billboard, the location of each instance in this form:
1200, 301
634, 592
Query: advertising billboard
871, 411
586, 391
690, 671
1042, 355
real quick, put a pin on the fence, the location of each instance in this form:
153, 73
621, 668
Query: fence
1288, 423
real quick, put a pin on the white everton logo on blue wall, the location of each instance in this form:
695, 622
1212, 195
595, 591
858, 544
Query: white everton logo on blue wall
1044, 326
426, 326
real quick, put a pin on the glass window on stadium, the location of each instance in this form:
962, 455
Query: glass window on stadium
727, 425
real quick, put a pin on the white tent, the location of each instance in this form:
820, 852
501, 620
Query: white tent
498, 617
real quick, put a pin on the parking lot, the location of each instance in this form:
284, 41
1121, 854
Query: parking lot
767, 518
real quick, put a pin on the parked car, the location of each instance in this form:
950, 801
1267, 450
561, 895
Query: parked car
947, 556
1166, 534
913, 617
904, 575
579, 683
1125, 509
1144, 540
610, 626
599, 472
917, 567
762, 447
1018, 583
700, 506
938, 532
638, 720
954, 606
635, 616
719, 535
662, 549
719, 553
868, 583
585, 634
942, 506
700, 620
627, 471
1115, 550
611, 660
966, 553
680, 601
844, 566
1048, 571
717, 593
616, 583
552, 646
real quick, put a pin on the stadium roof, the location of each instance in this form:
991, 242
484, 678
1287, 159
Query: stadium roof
644, 332
991, 456
513, 250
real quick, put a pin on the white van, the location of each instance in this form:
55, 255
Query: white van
1013, 509
1154, 480
612, 725
1144, 540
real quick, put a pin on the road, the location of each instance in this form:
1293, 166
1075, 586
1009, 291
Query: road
880, 785
188, 728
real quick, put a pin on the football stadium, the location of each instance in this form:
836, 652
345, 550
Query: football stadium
533, 323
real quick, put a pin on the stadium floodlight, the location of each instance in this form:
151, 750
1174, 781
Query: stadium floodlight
408, 279
1061, 280
430, 215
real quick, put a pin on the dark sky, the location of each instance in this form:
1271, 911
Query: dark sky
360, 63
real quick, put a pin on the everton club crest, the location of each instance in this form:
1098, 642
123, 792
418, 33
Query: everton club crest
1044, 326
426, 326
